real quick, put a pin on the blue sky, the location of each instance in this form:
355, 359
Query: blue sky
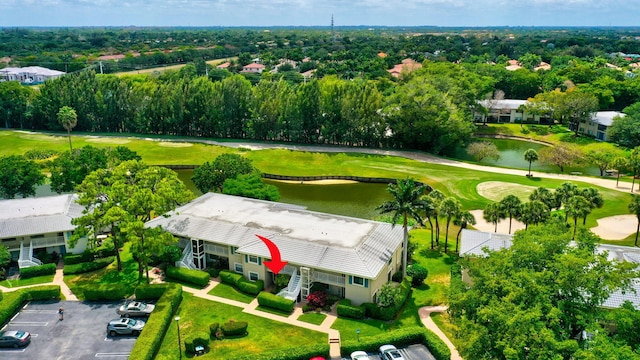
313, 12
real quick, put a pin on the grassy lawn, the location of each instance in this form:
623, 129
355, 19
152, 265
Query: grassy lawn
229, 292
24, 282
312, 318
197, 314
127, 278
442, 320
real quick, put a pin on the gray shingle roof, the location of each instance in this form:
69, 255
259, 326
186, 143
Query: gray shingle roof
322, 241
472, 242
32, 216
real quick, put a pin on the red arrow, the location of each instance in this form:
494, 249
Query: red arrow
275, 264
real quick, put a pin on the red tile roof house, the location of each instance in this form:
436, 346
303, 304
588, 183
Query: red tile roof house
408, 65
224, 65
253, 68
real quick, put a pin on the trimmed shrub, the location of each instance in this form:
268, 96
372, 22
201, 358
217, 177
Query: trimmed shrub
46, 292
418, 273
12, 301
149, 292
275, 302
33, 271
104, 292
235, 328
317, 299
345, 309
229, 277
85, 267
214, 273
401, 337
297, 353
196, 277
250, 287
196, 339
389, 312
149, 341
213, 330
72, 259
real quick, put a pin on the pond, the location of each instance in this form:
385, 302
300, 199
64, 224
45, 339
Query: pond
512, 156
353, 199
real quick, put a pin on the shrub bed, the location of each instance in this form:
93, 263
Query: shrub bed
345, 309
104, 292
196, 277
250, 287
275, 302
401, 337
12, 301
229, 277
150, 292
33, 271
235, 328
196, 339
389, 312
300, 352
72, 259
85, 267
149, 341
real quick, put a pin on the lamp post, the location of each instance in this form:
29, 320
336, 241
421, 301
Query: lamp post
358, 334
177, 319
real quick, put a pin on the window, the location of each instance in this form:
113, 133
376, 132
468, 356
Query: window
253, 259
357, 280
238, 267
39, 236
253, 276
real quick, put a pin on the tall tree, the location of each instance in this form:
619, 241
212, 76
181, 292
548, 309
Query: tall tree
463, 219
71, 167
211, 176
406, 204
533, 213
437, 197
449, 208
593, 196
565, 192
576, 207
620, 164
493, 213
561, 156
545, 196
483, 150
530, 155
510, 207
430, 211
579, 106
634, 164
68, 118
602, 158
19, 176
634, 208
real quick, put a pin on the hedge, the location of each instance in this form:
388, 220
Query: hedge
150, 292
196, 277
296, 353
85, 267
251, 287
389, 312
104, 292
12, 301
276, 302
149, 341
229, 277
72, 259
213, 330
195, 339
214, 273
345, 309
234, 328
401, 337
33, 271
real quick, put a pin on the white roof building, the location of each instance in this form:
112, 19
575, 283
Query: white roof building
29, 74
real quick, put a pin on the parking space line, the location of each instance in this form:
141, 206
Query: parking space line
101, 355
120, 339
13, 351
40, 311
29, 323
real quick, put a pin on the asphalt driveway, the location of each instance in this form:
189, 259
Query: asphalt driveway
81, 335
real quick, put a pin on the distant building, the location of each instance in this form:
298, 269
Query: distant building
29, 75
253, 68
506, 111
407, 65
599, 124
224, 65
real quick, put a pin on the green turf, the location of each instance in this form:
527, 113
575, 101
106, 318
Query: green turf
229, 292
197, 314
312, 318
24, 282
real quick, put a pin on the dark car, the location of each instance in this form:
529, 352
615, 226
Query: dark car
14, 339
125, 327
135, 309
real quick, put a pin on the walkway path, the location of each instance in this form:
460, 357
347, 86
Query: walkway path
425, 316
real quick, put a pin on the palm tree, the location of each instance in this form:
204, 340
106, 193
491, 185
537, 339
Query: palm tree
534, 212
576, 207
510, 206
634, 208
462, 219
565, 192
546, 196
68, 118
406, 203
493, 214
437, 198
621, 164
449, 208
634, 164
530, 155
594, 198
430, 212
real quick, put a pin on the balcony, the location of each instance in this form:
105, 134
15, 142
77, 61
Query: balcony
329, 279
37, 242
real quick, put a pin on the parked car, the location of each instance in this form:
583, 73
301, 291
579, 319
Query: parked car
359, 355
389, 352
135, 308
125, 327
14, 339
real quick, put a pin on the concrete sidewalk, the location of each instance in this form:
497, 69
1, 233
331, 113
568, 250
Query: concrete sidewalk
425, 315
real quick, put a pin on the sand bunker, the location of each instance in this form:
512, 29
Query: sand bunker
108, 140
318, 182
174, 144
503, 226
497, 190
617, 227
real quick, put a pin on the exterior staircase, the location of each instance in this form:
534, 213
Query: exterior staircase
186, 261
26, 258
292, 290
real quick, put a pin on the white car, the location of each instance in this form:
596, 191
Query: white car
389, 352
359, 355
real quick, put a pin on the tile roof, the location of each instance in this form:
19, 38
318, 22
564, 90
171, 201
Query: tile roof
322, 241
32, 216
254, 66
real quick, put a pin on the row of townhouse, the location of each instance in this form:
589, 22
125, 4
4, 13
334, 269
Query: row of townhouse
353, 257
511, 111
29, 75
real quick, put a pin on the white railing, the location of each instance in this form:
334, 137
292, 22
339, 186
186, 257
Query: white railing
293, 288
328, 278
216, 249
37, 242
187, 259
26, 258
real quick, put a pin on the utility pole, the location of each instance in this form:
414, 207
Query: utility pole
101, 67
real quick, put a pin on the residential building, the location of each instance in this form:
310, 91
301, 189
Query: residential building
599, 124
36, 223
352, 257
224, 65
473, 243
408, 65
29, 75
506, 111
253, 68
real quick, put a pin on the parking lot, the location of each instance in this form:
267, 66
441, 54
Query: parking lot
81, 335
413, 352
